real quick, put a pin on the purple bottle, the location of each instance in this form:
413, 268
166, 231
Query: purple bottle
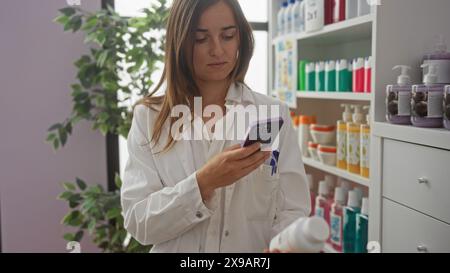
447, 107
398, 98
441, 58
426, 102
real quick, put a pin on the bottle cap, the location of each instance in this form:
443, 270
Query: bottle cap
331, 181
404, 78
307, 120
316, 230
347, 114
353, 199
365, 206
431, 77
359, 191
368, 114
339, 195
358, 115
323, 188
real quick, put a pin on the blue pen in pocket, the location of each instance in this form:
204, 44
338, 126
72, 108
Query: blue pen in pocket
273, 161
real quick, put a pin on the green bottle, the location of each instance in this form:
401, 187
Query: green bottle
362, 227
310, 77
330, 76
320, 77
343, 76
349, 229
302, 75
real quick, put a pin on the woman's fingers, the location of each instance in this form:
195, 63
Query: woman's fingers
247, 170
243, 152
246, 162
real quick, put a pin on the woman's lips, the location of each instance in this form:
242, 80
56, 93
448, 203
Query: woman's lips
217, 65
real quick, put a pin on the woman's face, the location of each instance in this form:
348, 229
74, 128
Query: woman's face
216, 44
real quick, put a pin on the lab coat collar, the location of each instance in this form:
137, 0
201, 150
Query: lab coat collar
239, 93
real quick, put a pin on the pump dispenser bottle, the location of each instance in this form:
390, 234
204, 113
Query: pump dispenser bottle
398, 98
441, 58
427, 100
341, 137
365, 145
353, 140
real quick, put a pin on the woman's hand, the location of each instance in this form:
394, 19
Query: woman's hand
228, 167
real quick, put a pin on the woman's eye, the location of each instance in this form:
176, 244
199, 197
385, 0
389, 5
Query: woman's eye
228, 37
200, 40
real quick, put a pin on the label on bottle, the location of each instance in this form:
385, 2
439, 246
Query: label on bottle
435, 104
341, 145
365, 149
314, 15
320, 212
404, 103
336, 229
353, 146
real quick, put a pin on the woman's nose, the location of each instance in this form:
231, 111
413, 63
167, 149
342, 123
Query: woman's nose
216, 48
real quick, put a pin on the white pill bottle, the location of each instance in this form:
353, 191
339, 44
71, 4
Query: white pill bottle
306, 235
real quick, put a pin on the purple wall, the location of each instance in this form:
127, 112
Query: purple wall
36, 69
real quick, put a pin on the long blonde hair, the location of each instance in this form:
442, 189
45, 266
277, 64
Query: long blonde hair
178, 67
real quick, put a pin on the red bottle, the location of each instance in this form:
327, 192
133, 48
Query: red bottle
323, 202
358, 75
368, 75
339, 11
329, 11
312, 194
337, 219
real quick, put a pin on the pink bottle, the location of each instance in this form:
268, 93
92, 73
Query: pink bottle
323, 202
312, 193
337, 219
368, 75
358, 75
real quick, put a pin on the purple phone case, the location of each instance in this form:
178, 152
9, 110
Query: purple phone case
247, 142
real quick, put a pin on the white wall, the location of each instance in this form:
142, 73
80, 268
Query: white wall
36, 69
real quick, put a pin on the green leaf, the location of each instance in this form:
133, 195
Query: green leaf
69, 11
78, 236
69, 237
81, 184
113, 213
102, 58
90, 23
62, 136
65, 195
55, 144
69, 186
76, 22
91, 226
62, 19
50, 137
118, 181
104, 128
54, 127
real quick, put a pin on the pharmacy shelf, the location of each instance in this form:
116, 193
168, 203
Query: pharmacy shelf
335, 171
358, 28
329, 249
439, 138
335, 96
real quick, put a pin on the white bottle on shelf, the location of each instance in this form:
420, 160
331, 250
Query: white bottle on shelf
363, 7
306, 235
351, 9
314, 15
298, 16
288, 17
281, 18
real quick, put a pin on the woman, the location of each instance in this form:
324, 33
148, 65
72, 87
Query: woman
201, 195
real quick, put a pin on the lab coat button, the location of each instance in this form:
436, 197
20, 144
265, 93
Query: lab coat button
199, 214
227, 233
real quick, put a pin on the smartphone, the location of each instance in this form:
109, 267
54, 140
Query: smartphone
264, 132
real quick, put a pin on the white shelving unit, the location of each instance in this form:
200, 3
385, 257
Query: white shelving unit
396, 32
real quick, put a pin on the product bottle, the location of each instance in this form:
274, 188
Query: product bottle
337, 219
368, 75
447, 107
363, 7
358, 75
320, 76
306, 235
331, 183
339, 11
298, 16
323, 202
310, 77
312, 193
281, 18
365, 146
362, 228
330, 76
288, 17
359, 193
302, 75
349, 229
350, 75
346, 187
329, 11
342, 76
303, 133
341, 137
351, 9
441, 58
398, 98
427, 99
353, 140
314, 15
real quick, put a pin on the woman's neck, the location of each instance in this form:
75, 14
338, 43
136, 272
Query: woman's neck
213, 92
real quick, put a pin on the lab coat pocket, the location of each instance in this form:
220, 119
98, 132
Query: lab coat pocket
261, 197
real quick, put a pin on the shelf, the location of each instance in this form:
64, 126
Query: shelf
329, 249
338, 172
439, 138
335, 96
350, 30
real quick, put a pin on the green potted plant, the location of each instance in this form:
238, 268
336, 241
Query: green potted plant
119, 48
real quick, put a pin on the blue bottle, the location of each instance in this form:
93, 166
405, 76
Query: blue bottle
362, 227
349, 230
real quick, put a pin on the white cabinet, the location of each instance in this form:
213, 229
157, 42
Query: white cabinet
418, 177
406, 230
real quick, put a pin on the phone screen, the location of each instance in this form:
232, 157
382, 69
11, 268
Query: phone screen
264, 132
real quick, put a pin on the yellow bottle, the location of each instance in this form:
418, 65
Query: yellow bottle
365, 146
353, 141
341, 137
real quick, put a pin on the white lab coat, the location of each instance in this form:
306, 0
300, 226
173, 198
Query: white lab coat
161, 201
